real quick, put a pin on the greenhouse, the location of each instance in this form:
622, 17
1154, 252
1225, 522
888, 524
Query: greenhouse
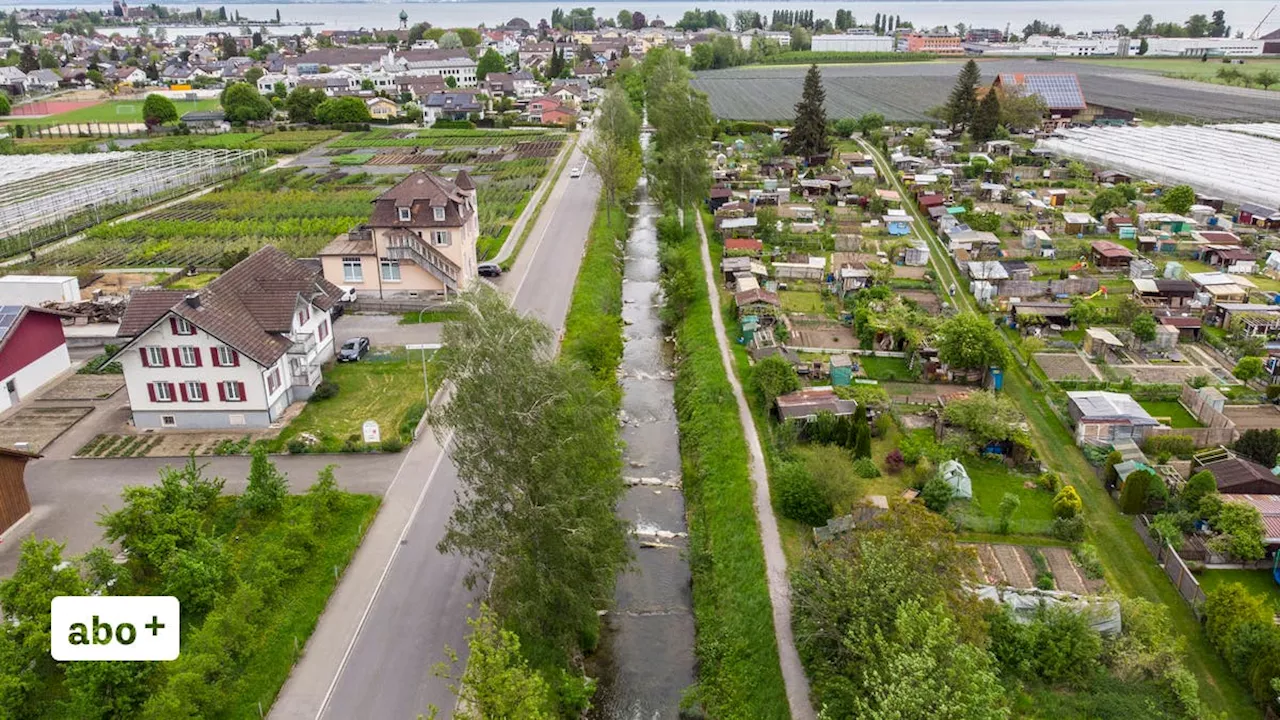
46, 197
1237, 162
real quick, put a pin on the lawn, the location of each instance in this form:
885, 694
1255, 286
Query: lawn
885, 368
444, 314
123, 111
386, 386
1176, 415
1190, 69
194, 282
991, 480
1257, 582
802, 301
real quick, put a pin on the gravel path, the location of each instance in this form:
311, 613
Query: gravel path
775, 561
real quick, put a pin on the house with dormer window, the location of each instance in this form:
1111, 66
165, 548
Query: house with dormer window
420, 241
234, 354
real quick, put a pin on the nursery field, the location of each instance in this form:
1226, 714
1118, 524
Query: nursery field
293, 141
299, 213
442, 138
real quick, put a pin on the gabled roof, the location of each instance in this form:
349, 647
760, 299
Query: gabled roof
1060, 91
1108, 249
419, 192
12, 315
1098, 405
1234, 472
250, 307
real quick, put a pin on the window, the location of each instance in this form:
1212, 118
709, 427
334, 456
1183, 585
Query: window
168, 421
154, 357
406, 214
439, 213
193, 391
323, 331
273, 380
352, 269
160, 391
224, 356
391, 271
231, 391
181, 326
304, 314
440, 237
188, 356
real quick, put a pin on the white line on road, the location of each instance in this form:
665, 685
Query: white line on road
387, 568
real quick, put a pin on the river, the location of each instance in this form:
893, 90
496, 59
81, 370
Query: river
645, 661
1073, 15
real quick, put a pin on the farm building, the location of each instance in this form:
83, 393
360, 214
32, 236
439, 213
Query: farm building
33, 351
1060, 92
1108, 417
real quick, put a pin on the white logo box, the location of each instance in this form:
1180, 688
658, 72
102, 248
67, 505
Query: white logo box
115, 628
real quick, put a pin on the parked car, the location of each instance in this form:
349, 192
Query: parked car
489, 269
575, 172
348, 294
353, 349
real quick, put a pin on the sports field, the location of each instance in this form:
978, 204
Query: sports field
123, 111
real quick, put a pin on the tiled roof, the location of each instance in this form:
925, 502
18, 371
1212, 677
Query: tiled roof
1234, 472
250, 307
421, 192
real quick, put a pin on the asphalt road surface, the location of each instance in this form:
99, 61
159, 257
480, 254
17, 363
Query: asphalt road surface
401, 602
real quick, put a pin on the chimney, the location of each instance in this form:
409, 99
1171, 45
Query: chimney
192, 300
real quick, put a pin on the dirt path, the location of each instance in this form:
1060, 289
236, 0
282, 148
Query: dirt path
775, 561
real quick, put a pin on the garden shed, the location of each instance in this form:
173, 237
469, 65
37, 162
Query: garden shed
841, 370
954, 474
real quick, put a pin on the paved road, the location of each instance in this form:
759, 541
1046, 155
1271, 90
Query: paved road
401, 601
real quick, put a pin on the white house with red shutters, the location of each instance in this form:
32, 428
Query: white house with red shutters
234, 354
33, 351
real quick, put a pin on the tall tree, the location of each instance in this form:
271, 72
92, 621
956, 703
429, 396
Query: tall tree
963, 101
986, 120
682, 122
490, 62
1178, 199
539, 472
498, 682
809, 134
614, 150
28, 62
158, 110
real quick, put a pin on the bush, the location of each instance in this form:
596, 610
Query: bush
800, 497
392, 445
894, 462
1180, 445
1273, 392
1068, 529
866, 468
296, 446
1133, 496
1086, 556
325, 390
1049, 482
937, 494
1067, 503
353, 444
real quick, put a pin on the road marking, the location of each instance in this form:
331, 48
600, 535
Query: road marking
377, 588
542, 235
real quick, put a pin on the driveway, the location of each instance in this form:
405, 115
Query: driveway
384, 330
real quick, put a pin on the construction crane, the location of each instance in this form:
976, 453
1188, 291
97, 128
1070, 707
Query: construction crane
1254, 35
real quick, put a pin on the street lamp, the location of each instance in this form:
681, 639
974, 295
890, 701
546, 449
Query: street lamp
424, 347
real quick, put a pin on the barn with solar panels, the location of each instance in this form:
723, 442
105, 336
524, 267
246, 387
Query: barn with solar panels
1060, 92
33, 351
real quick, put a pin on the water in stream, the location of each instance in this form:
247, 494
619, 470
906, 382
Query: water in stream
645, 661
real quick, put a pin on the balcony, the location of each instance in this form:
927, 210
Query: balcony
303, 345
404, 246
304, 375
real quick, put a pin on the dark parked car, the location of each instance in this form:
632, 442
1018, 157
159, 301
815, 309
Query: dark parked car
489, 269
353, 349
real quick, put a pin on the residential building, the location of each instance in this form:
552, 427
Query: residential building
933, 43
236, 353
419, 241
33, 351
381, 108
1060, 92
519, 84
450, 106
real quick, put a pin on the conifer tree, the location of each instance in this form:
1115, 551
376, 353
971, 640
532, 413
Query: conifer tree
987, 117
963, 101
809, 136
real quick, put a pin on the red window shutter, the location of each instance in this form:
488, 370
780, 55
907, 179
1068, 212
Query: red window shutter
199, 362
151, 391
146, 359
172, 394
222, 392
177, 358
235, 359
213, 357
204, 392
173, 325
240, 389
183, 388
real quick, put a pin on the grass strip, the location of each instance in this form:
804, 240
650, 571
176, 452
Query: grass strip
739, 673
593, 326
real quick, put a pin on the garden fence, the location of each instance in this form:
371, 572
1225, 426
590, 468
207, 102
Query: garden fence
1176, 570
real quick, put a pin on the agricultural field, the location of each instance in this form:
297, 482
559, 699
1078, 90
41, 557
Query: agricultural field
294, 141
123, 111
904, 92
1191, 69
297, 212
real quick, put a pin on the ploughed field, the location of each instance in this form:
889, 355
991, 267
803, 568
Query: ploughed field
905, 91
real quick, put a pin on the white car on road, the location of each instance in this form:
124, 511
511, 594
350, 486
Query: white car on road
575, 172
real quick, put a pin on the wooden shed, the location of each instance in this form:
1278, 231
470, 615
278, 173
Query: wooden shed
14, 501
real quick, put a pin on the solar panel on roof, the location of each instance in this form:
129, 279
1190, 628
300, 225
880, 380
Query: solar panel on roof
8, 316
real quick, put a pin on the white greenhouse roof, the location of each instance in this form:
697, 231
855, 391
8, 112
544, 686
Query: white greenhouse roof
1213, 160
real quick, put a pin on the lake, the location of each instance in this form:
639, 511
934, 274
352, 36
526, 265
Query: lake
1242, 15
